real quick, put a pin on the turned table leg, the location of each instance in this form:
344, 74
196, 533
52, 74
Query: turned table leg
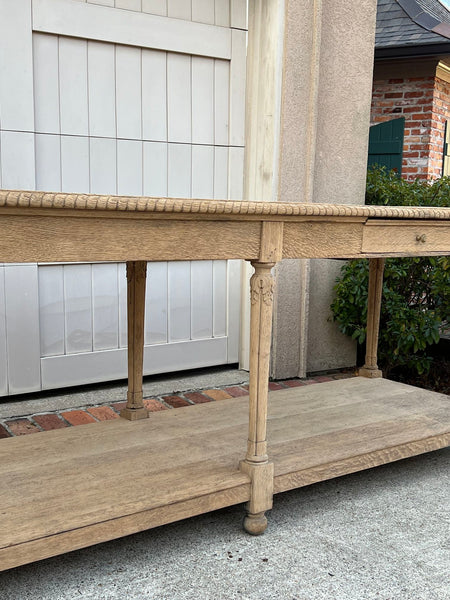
376, 268
256, 463
136, 279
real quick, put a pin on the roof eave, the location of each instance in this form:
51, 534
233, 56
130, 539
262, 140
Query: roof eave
438, 50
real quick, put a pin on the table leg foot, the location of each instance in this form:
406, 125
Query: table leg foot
134, 414
371, 373
255, 524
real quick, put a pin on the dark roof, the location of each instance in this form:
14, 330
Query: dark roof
422, 26
435, 9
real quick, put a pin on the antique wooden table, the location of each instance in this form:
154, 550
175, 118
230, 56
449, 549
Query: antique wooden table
67, 489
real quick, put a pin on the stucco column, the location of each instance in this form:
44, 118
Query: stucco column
325, 115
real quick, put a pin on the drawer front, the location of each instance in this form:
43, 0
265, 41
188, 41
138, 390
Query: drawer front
408, 239
322, 239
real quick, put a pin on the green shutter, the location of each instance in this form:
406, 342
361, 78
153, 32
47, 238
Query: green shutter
386, 144
446, 157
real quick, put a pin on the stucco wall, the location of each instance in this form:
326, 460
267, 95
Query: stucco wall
327, 85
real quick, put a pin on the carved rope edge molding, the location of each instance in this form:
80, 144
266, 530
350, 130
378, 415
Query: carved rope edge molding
30, 199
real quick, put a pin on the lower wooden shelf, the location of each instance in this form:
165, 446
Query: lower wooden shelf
67, 489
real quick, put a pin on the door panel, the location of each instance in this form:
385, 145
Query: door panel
153, 114
52, 310
129, 28
157, 291
101, 88
215, 12
83, 331
22, 328
155, 165
3, 348
154, 90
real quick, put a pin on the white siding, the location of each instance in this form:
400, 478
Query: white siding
102, 99
46, 83
73, 82
179, 98
22, 328
17, 154
16, 66
3, 348
202, 100
202, 11
128, 92
154, 91
102, 89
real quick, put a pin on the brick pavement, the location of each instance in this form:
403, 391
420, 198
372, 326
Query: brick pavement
38, 422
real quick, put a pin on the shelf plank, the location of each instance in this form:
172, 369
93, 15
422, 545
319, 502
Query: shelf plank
71, 488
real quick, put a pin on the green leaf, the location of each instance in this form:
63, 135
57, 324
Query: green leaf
416, 298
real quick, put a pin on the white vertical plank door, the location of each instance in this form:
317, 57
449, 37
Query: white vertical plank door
128, 92
22, 335
155, 7
46, 82
179, 9
129, 167
155, 169
16, 66
101, 72
156, 327
203, 11
179, 98
78, 330
154, 93
80, 114
48, 161
3, 349
103, 165
202, 100
75, 163
105, 307
51, 310
19, 318
73, 104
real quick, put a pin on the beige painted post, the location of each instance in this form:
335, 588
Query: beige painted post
376, 268
262, 120
136, 279
264, 75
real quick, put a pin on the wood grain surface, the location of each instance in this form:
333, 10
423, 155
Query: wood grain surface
376, 270
313, 433
316, 432
414, 238
58, 200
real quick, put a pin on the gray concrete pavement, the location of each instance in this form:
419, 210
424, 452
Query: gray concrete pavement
382, 534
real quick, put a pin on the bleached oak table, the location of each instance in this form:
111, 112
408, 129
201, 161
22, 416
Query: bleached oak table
67, 489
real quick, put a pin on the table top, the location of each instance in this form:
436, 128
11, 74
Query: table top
231, 209
121, 228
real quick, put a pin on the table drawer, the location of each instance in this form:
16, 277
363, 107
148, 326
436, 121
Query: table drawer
408, 238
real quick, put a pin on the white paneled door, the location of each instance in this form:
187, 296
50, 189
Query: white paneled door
132, 97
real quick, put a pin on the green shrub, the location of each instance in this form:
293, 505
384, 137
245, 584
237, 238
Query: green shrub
416, 291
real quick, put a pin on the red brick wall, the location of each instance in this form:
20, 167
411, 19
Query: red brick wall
425, 104
441, 113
